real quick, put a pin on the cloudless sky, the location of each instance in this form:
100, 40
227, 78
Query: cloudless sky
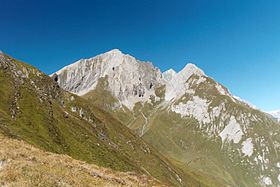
237, 42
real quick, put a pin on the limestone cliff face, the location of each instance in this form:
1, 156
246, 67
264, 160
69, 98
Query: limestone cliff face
129, 80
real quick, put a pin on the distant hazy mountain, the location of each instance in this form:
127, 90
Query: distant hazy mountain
276, 115
187, 116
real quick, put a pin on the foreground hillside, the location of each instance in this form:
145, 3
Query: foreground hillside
24, 165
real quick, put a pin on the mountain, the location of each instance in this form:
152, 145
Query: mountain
35, 109
24, 165
194, 121
275, 114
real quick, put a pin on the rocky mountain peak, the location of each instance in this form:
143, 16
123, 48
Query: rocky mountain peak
168, 75
189, 70
129, 80
114, 51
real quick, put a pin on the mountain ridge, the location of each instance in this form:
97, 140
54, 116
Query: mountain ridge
141, 96
167, 76
35, 109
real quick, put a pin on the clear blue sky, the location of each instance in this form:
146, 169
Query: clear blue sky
237, 42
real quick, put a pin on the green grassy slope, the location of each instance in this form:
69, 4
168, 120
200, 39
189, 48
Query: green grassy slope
24, 166
195, 147
161, 131
198, 149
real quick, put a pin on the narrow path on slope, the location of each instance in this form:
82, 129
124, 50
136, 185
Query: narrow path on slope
147, 119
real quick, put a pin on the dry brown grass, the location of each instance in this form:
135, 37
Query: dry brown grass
24, 165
